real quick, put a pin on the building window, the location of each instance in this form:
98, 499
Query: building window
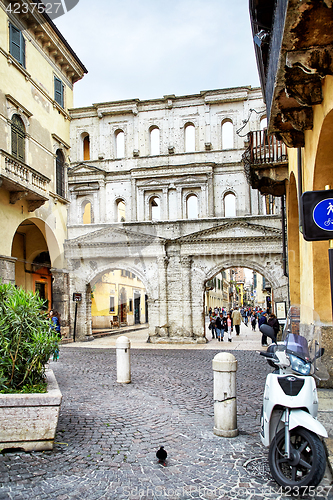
86, 148
154, 141
17, 45
189, 138
18, 138
227, 135
192, 211
263, 123
59, 91
155, 208
60, 174
219, 284
130, 302
87, 212
230, 205
121, 211
120, 144
111, 304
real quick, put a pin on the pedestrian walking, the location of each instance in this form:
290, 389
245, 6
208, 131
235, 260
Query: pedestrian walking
228, 326
274, 323
237, 319
218, 328
253, 321
211, 325
263, 321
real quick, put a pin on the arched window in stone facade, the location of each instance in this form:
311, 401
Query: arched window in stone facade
230, 205
192, 207
154, 136
155, 208
227, 135
87, 215
86, 146
120, 143
60, 173
18, 138
189, 138
121, 210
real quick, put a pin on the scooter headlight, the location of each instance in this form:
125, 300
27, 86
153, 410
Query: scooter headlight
299, 365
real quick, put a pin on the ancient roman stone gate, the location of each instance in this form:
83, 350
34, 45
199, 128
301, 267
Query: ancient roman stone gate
158, 188
174, 271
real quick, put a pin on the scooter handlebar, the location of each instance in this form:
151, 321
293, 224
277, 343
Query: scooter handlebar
267, 354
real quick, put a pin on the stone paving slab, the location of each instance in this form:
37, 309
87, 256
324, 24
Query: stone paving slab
108, 433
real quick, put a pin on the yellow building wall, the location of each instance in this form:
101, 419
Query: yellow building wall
33, 88
317, 172
111, 285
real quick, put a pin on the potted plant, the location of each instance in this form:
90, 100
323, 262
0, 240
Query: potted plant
29, 395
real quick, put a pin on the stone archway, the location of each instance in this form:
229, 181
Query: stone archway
174, 270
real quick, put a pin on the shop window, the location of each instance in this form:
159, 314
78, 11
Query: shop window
18, 138
111, 304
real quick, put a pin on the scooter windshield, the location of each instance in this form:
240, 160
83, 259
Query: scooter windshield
298, 345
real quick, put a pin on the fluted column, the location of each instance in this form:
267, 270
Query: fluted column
60, 298
211, 211
162, 263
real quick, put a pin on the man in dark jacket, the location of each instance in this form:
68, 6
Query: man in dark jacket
263, 321
274, 323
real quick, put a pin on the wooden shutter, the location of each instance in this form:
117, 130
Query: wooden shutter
58, 91
17, 44
60, 181
18, 138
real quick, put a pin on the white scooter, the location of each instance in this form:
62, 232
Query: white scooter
289, 424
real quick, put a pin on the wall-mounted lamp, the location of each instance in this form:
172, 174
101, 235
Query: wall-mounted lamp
261, 37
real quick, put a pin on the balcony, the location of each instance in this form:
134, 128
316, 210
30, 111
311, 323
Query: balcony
266, 163
22, 181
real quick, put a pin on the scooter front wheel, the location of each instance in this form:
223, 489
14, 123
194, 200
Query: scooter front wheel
307, 462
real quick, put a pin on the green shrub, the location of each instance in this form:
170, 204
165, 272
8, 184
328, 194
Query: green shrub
26, 340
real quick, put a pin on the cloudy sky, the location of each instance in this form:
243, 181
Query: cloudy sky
150, 48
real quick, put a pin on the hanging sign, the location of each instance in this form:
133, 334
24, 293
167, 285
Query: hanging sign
317, 215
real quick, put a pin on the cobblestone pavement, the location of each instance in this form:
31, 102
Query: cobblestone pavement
108, 433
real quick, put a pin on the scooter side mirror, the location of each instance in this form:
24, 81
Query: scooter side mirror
320, 353
268, 331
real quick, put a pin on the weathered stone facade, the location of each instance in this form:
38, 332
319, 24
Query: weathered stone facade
172, 249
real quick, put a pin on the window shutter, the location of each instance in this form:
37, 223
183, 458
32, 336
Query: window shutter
18, 138
58, 91
14, 142
22, 61
15, 42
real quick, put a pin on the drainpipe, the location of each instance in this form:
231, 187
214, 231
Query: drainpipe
300, 187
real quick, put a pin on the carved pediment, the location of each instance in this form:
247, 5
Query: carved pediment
112, 236
83, 169
232, 230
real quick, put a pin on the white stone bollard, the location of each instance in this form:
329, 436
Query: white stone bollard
225, 405
123, 360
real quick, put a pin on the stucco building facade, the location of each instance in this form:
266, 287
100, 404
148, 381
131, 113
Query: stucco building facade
38, 70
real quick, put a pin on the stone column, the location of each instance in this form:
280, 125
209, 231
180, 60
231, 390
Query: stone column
162, 263
102, 201
7, 269
133, 201
60, 298
179, 203
165, 215
211, 211
186, 264
83, 322
204, 201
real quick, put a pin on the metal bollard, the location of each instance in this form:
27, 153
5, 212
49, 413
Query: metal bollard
225, 404
123, 360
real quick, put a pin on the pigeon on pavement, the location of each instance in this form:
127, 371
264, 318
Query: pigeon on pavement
161, 454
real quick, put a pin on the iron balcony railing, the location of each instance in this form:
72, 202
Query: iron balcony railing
264, 148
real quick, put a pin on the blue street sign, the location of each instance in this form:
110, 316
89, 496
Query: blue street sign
323, 214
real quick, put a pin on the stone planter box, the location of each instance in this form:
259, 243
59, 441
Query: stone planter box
29, 421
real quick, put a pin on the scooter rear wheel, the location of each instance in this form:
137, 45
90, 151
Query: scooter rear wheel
307, 463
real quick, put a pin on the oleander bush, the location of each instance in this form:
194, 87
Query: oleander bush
27, 341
